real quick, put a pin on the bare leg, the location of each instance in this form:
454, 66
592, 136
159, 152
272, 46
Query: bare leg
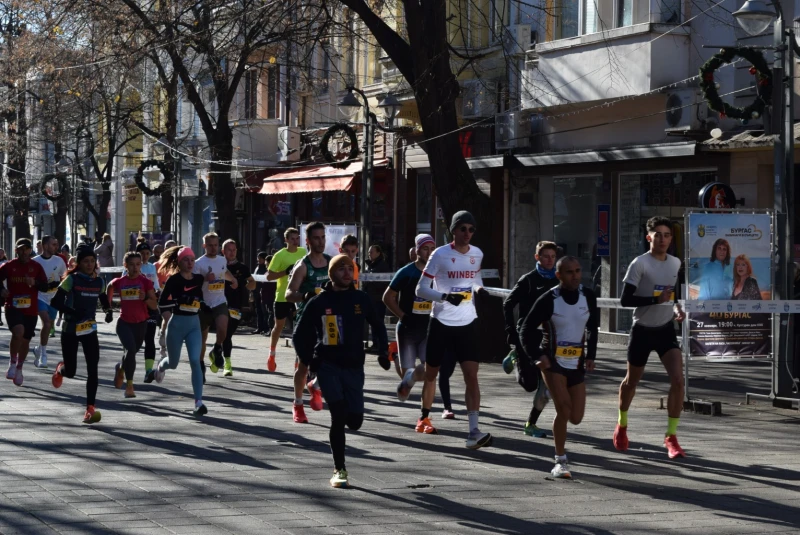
472, 396
627, 389
673, 363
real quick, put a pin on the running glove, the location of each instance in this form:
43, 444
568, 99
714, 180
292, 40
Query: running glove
109, 316
454, 299
53, 285
383, 360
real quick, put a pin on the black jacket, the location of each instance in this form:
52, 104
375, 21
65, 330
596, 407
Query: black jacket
525, 293
375, 289
331, 328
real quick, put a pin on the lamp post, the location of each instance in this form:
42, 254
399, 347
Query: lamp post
64, 166
755, 17
391, 106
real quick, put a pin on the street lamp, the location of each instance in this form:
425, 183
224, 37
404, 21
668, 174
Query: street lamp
63, 167
391, 107
754, 17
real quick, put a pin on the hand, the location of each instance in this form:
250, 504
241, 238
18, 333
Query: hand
543, 363
186, 300
665, 295
680, 315
109, 316
309, 295
53, 285
383, 360
590, 365
234, 284
29, 281
210, 276
454, 299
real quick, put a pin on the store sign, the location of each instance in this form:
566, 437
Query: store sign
716, 195
603, 230
132, 193
333, 236
728, 258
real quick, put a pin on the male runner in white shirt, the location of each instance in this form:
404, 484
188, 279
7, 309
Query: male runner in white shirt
54, 267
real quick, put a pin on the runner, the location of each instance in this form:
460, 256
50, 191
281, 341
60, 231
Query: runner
451, 277
329, 341
279, 269
649, 286
180, 304
525, 293
214, 269
77, 298
137, 298
349, 246
235, 296
570, 319
25, 280
150, 271
54, 268
412, 329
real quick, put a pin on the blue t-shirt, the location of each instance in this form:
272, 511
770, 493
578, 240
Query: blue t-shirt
416, 309
716, 282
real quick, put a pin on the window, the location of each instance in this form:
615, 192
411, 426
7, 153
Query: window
424, 202
590, 22
273, 92
624, 13
568, 15
251, 93
667, 11
497, 17
326, 68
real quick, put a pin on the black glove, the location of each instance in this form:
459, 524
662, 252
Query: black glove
454, 299
309, 295
53, 285
383, 360
109, 315
68, 311
527, 373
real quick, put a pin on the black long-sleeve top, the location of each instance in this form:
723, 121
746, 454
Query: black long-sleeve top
182, 296
528, 289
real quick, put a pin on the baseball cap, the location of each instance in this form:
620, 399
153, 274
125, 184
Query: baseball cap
23, 242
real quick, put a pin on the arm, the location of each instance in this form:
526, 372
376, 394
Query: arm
165, 302
509, 305
251, 283
110, 290
293, 294
425, 291
592, 328
59, 302
529, 333
376, 322
275, 275
305, 336
150, 299
630, 300
391, 302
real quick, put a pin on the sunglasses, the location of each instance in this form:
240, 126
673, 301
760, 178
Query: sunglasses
471, 230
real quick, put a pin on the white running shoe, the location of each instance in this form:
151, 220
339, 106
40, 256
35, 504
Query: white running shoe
39, 357
404, 388
12, 370
476, 439
159, 374
561, 469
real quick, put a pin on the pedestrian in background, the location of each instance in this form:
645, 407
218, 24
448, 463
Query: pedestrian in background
258, 303
376, 263
105, 251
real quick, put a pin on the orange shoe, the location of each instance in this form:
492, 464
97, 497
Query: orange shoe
119, 376
91, 416
271, 364
58, 379
316, 397
621, 438
129, 392
299, 414
424, 425
673, 448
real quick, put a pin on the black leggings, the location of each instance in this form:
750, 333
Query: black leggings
227, 344
150, 337
339, 419
131, 335
91, 351
445, 372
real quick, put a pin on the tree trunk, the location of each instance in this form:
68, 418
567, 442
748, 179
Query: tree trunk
223, 185
16, 175
61, 208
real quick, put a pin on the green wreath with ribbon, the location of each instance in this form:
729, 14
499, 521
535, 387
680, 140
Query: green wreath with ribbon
165, 171
61, 178
760, 69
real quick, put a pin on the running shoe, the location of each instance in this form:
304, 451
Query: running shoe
119, 376
37, 351
159, 375
199, 409
150, 376
53, 330
561, 469
424, 425
299, 414
510, 361
541, 396
146, 373
404, 388
91, 416
58, 379
42, 363
228, 368
213, 363
219, 359
532, 431
316, 396
476, 439
621, 438
339, 479
12, 369
271, 364
673, 448
129, 392
447, 414
18, 377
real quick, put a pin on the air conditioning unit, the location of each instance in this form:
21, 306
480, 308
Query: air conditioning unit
517, 39
476, 100
289, 143
686, 112
512, 130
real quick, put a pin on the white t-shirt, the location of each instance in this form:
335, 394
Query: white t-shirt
453, 272
213, 292
651, 276
149, 271
54, 267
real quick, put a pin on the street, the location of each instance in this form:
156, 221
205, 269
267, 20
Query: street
149, 467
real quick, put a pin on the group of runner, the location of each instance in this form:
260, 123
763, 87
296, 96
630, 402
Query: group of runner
433, 297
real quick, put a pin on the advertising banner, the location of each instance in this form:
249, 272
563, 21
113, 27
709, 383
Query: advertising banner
333, 236
728, 258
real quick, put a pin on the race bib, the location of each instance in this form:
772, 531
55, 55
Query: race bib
87, 327
192, 308
659, 289
235, 314
466, 292
22, 301
569, 350
130, 294
421, 306
216, 286
332, 325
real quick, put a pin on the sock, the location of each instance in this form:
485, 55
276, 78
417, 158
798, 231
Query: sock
473, 419
533, 417
672, 426
43, 349
561, 458
149, 363
298, 401
129, 382
13, 359
272, 350
198, 402
622, 420
425, 413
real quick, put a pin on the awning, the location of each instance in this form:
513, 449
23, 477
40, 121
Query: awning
325, 178
662, 150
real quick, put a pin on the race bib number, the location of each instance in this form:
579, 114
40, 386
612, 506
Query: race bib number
659, 289
235, 314
192, 308
130, 294
87, 327
466, 292
421, 306
22, 301
569, 351
216, 286
332, 324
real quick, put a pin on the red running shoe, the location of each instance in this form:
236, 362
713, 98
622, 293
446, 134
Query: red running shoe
621, 438
299, 414
119, 376
424, 425
316, 396
673, 448
57, 377
271, 364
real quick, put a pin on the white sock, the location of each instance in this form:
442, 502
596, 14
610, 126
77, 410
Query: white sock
198, 402
561, 458
298, 401
473, 420
43, 350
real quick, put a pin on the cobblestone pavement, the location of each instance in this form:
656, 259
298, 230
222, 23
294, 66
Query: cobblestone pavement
149, 467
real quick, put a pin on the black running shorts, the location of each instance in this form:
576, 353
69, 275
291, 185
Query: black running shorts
283, 310
461, 341
574, 377
14, 317
644, 340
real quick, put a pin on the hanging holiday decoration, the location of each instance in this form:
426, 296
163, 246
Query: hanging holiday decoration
61, 178
760, 70
338, 143
166, 172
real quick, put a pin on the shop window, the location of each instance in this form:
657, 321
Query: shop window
424, 200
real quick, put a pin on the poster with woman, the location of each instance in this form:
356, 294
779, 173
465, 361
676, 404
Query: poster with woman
728, 259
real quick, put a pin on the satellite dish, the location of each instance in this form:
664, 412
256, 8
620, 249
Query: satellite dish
674, 111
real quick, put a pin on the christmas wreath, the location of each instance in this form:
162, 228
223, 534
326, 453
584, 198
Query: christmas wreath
330, 133
62, 182
165, 171
760, 69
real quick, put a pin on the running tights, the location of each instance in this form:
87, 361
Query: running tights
186, 329
339, 419
150, 339
131, 336
445, 372
91, 350
227, 344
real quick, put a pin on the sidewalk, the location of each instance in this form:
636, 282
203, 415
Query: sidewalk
149, 467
